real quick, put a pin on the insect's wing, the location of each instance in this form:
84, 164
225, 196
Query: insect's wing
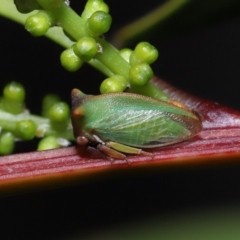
132, 119
143, 128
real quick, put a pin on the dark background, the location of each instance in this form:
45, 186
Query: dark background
204, 62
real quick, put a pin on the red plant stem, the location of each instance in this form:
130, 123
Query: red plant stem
218, 141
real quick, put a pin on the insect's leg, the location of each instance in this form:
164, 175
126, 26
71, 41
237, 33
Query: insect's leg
83, 142
110, 152
126, 149
95, 153
100, 150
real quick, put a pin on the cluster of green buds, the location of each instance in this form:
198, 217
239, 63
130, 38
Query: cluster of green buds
126, 69
88, 48
18, 124
97, 22
140, 71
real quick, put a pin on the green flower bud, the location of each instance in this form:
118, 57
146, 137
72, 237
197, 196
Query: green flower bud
99, 23
140, 74
49, 142
121, 79
93, 6
14, 92
116, 83
48, 102
70, 61
86, 48
144, 52
27, 6
39, 23
59, 112
25, 129
13, 98
11, 106
126, 53
6, 143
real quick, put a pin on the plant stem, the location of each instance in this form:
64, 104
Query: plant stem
111, 58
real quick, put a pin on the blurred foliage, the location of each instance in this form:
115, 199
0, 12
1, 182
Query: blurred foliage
181, 17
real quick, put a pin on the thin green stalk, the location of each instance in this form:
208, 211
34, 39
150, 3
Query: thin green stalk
111, 58
153, 18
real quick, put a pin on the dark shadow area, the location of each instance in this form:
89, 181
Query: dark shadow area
86, 208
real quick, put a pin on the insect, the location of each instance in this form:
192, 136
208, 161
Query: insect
112, 124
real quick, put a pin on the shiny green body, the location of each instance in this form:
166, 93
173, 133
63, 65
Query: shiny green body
132, 120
